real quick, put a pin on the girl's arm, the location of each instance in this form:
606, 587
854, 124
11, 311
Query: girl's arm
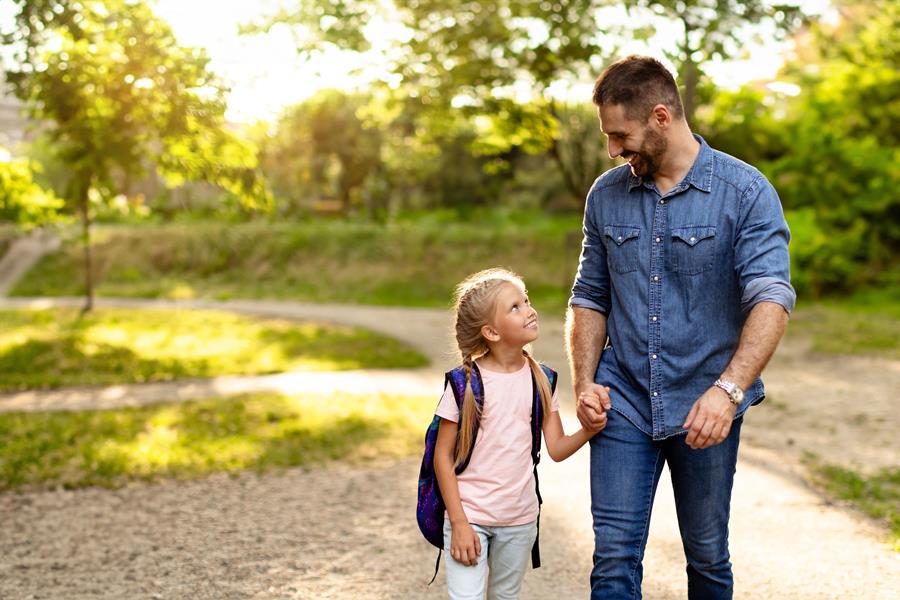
464, 543
559, 445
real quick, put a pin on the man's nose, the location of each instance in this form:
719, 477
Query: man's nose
613, 148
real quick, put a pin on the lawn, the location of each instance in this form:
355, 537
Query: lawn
403, 264
57, 347
188, 440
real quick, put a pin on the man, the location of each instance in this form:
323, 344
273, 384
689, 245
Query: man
684, 266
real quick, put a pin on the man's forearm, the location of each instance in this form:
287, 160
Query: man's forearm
762, 331
585, 338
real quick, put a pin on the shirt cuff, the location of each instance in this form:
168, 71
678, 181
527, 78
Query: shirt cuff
585, 303
768, 289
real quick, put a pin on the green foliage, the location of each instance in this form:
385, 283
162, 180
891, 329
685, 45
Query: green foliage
255, 432
53, 348
468, 61
743, 123
843, 165
22, 201
322, 149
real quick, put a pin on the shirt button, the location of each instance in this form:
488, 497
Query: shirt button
620, 238
662, 201
658, 240
693, 239
656, 278
653, 318
653, 356
655, 394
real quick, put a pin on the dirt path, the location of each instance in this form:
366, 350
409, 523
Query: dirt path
348, 532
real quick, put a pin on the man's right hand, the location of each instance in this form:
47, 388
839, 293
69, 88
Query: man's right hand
591, 403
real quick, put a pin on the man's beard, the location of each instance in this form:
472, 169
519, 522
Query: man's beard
648, 157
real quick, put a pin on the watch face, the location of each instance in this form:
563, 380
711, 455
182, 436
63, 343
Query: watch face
737, 395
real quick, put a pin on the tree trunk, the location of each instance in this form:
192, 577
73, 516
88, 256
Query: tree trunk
84, 208
570, 179
689, 72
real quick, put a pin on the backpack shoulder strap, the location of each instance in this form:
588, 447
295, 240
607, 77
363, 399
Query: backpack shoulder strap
457, 380
537, 411
537, 421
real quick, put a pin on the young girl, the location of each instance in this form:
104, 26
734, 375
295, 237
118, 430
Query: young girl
492, 505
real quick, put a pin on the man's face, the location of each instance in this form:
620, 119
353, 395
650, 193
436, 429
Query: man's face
637, 142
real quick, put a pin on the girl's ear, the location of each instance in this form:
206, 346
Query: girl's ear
489, 333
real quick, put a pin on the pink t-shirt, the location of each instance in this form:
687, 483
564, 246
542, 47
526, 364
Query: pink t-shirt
497, 488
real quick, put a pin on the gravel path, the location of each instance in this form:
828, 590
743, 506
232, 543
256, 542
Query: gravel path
348, 532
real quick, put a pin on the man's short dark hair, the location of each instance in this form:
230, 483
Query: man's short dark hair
638, 83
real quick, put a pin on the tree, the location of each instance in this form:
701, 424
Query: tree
842, 169
468, 57
479, 58
323, 148
713, 29
117, 95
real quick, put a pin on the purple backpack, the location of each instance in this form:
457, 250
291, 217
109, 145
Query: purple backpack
430, 506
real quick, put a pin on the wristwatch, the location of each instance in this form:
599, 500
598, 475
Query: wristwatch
734, 391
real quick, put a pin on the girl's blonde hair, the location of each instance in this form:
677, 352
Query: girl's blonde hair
475, 303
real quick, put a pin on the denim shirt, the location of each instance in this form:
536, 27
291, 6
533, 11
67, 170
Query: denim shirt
676, 276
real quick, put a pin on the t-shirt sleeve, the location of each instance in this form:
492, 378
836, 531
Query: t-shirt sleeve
447, 406
554, 402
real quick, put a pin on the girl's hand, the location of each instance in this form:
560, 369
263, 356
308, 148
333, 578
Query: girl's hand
465, 546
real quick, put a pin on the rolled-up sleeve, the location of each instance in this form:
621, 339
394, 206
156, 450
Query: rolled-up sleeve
591, 288
762, 262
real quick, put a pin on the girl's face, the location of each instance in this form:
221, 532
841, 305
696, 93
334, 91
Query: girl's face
515, 320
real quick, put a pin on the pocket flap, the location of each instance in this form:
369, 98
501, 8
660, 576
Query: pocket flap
692, 235
621, 233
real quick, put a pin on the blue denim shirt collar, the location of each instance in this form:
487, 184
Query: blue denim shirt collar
700, 175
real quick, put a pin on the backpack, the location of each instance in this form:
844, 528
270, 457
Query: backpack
430, 506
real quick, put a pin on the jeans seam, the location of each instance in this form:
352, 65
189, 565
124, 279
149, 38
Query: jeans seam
646, 531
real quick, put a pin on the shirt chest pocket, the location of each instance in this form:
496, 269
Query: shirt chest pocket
693, 249
622, 247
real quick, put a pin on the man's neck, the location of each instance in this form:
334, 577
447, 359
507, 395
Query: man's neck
680, 156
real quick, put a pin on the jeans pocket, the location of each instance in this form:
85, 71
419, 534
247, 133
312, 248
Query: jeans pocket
693, 249
622, 247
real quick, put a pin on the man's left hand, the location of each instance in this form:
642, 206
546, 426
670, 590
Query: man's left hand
709, 421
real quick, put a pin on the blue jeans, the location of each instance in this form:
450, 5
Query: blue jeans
505, 554
625, 469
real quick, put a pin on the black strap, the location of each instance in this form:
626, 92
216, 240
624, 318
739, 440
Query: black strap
536, 549
437, 565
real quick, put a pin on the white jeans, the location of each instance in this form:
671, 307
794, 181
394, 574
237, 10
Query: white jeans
505, 554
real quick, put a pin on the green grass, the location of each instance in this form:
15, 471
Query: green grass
867, 323
408, 264
877, 495
53, 348
193, 439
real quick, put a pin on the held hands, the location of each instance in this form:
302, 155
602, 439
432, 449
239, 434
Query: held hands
591, 403
465, 546
709, 421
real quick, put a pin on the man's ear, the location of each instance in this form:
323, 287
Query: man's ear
489, 333
661, 116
